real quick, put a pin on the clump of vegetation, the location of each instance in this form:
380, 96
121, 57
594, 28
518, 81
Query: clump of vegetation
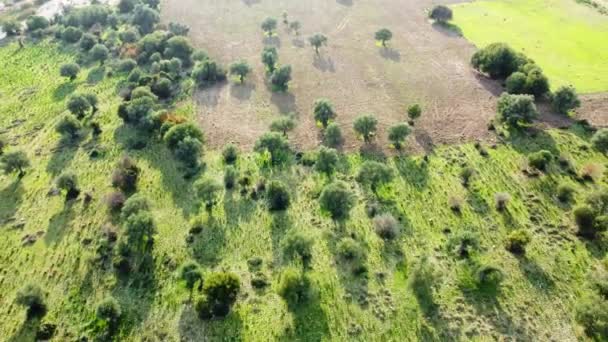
466, 174
240, 69
69, 70
600, 140
277, 196
333, 135
365, 126
327, 161
517, 241
383, 35
464, 244
592, 172
317, 40
230, 154
109, 312
540, 160
398, 133
32, 298
270, 56
186, 141
208, 191
337, 200
565, 100
297, 245
565, 193
516, 110
294, 286
502, 200
68, 182
283, 125
441, 13
220, 291
230, 176
592, 314
498, 60
280, 78
269, 25
324, 112
275, 145
414, 112
69, 127
348, 249
374, 174
190, 273
386, 226
125, 175
488, 278
115, 201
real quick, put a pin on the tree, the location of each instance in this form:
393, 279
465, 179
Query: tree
128, 35
565, 99
162, 88
126, 6
108, 311
516, 83
99, 53
269, 25
208, 191
240, 69
275, 144
125, 175
139, 233
441, 13
230, 154
317, 40
295, 26
71, 35
32, 298
281, 77
516, 110
68, 126
208, 72
327, 160
11, 27
374, 174
383, 35
298, 245
220, 292
35, 23
87, 42
398, 133
67, 182
179, 47
337, 200
277, 196
537, 83
498, 60
366, 126
134, 205
414, 111
600, 140
92, 100
69, 70
145, 18
333, 135
283, 125
16, 161
323, 111
190, 273
270, 57
181, 131
78, 105
294, 286
188, 151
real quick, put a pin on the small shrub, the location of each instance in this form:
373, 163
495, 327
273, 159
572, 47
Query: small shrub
498, 60
374, 174
516, 110
337, 200
69, 70
464, 244
349, 249
324, 112
221, 290
115, 201
298, 245
540, 160
295, 287
326, 161
134, 205
565, 193
386, 226
592, 313
366, 127
466, 174
71, 34
125, 175
600, 140
230, 154
190, 273
69, 127
565, 99
516, 83
488, 278
455, 203
333, 135
67, 181
108, 310
208, 191
87, 42
276, 145
277, 196
280, 78
230, 176
32, 298
16, 161
441, 13
584, 217
517, 241
501, 200
414, 111
398, 133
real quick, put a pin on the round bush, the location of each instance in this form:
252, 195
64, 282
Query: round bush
600, 140
565, 193
349, 249
71, 35
108, 310
584, 217
69, 70
294, 286
221, 290
517, 241
565, 99
592, 314
230, 154
297, 245
31, 297
337, 200
135, 204
333, 135
540, 160
386, 226
277, 196
516, 83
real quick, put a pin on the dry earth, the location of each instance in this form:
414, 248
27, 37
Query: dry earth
424, 63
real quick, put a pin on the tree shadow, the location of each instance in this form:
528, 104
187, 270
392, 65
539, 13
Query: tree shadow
284, 101
209, 96
309, 322
64, 90
238, 210
353, 274
273, 40
532, 140
242, 91
207, 246
325, 64
372, 151
191, 328
299, 43
413, 171
390, 54
535, 274
11, 196
424, 140
136, 292
60, 223
96, 75
448, 29
62, 156
345, 2
281, 223
27, 331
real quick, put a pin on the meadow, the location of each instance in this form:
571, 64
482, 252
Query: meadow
565, 37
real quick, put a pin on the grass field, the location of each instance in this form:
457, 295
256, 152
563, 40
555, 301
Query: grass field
415, 289
565, 38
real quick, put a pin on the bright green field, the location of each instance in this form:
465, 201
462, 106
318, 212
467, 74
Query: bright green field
415, 289
568, 40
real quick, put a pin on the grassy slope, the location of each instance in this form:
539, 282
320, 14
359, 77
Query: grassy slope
536, 301
564, 37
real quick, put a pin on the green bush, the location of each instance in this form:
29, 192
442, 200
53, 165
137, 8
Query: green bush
414, 111
162, 88
441, 13
99, 53
190, 273
297, 245
333, 135
16, 161
145, 18
466, 174
374, 174
398, 133
275, 144
32, 298
230, 154
295, 287
11, 27
208, 191
326, 161
565, 99
517, 241
78, 105
584, 217
337, 200
498, 60
221, 290
565, 192
270, 56
324, 112
135, 204
280, 78
383, 35
208, 72
592, 314
464, 244
488, 278
516, 83
540, 159
240, 69
386, 226
180, 132
516, 110
501, 200
277, 196
537, 83
68, 126
366, 126
35, 23
67, 181
349, 249
125, 175
600, 140
108, 310
283, 125
179, 47
69, 70
71, 35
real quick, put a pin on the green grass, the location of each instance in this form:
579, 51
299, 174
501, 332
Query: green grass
535, 303
565, 38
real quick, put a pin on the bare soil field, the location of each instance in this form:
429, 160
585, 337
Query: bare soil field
423, 63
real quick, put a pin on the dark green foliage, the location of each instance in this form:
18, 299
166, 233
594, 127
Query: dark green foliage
145, 18
386, 226
135, 204
67, 181
125, 175
398, 133
592, 314
32, 298
383, 35
565, 99
230, 153
317, 40
324, 112
374, 174
516, 83
565, 193
283, 125
337, 200
190, 273
517, 241
592, 217
35, 23
600, 140
87, 41
295, 26
540, 159
69, 70
414, 111
128, 35
240, 69
280, 78
78, 105
584, 216
333, 135
11, 27
16, 161
498, 60
127, 65
188, 151
270, 56
181, 131
68, 126
441, 13
139, 112
294, 286
516, 110
179, 29
230, 176
277, 196
269, 25
71, 35
179, 47
327, 161
126, 6
139, 231
275, 144
208, 72
220, 291
92, 100
208, 191
537, 83
297, 245
162, 88
99, 53
108, 310
464, 244
88, 16
488, 278
349, 249
466, 174
366, 126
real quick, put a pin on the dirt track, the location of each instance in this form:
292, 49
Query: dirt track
424, 63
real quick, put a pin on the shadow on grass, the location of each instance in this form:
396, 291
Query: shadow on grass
64, 90
238, 209
242, 91
284, 101
309, 322
372, 151
27, 331
535, 274
449, 29
60, 223
207, 246
413, 171
353, 273
280, 225
390, 54
11, 196
532, 140
325, 64
191, 328
62, 156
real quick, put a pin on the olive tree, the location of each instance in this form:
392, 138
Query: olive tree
337, 200
270, 57
374, 174
366, 126
498, 60
383, 36
16, 161
32, 298
99, 53
179, 47
565, 99
333, 135
327, 160
69, 70
317, 40
280, 78
68, 126
145, 18
190, 273
240, 69
413, 112
269, 25
441, 13
398, 133
78, 105
275, 144
324, 111
283, 125
516, 110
